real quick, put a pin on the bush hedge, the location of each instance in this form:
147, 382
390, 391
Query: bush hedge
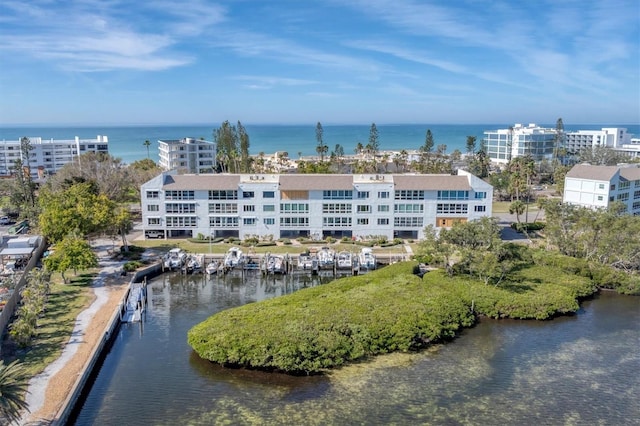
324, 327
387, 310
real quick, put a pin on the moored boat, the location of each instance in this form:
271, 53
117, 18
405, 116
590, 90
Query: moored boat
326, 258
367, 259
175, 259
233, 258
213, 267
344, 260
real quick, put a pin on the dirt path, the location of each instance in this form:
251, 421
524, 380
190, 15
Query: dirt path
49, 390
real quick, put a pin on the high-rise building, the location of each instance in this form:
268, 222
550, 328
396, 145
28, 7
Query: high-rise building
188, 155
505, 144
47, 156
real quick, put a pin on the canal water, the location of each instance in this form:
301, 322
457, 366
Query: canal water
582, 369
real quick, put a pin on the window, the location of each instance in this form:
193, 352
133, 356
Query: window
268, 194
248, 194
383, 208
600, 198
445, 208
623, 197
409, 195
223, 222
383, 221
153, 221
288, 222
363, 208
181, 221
269, 221
601, 186
408, 208
363, 221
480, 208
363, 194
336, 208
249, 208
294, 208
453, 195
269, 208
223, 208
180, 208
153, 208
407, 222
636, 195
480, 195
250, 221
336, 221
636, 205
337, 195
624, 185
223, 195
383, 194
153, 194
612, 188
179, 195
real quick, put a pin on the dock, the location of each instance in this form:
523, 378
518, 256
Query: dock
136, 303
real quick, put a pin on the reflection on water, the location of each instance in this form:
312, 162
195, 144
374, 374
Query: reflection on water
581, 369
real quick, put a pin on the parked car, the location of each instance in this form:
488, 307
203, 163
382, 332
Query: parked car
4, 220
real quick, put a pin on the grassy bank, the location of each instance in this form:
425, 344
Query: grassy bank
64, 304
388, 310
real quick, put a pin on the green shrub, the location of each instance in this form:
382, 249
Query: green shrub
285, 241
266, 244
132, 266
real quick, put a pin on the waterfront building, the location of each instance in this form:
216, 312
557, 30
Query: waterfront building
599, 186
47, 156
615, 138
502, 145
314, 206
188, 155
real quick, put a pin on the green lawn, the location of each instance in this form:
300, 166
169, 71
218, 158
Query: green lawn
64, 303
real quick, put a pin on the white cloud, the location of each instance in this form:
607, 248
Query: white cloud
95, 36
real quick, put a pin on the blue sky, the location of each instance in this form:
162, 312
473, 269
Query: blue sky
335, 61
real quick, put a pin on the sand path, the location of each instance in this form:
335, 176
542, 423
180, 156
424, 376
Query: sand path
49, 389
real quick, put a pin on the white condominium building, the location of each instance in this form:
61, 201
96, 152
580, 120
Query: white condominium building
599, 186
505, 144
314, 206
615, 138
188, 155
47, 156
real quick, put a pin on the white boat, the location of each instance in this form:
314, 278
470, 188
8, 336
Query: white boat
326, 258
305, 261
344, 260
175, 259
193, 264
276, 264
213, 267
233, 257
367, 259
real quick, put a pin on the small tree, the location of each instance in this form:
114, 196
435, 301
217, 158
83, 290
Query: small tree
71, 253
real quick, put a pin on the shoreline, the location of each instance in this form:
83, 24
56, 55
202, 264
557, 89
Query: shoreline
48, 390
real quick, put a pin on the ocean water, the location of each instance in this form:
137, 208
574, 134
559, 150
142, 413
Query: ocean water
126, 142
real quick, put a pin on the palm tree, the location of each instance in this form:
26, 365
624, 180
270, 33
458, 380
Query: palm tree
147, 144
13, 387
